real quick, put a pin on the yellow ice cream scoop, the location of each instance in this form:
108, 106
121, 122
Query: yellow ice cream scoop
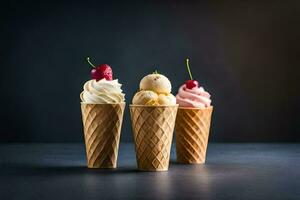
145, 97
166, 99
157, 83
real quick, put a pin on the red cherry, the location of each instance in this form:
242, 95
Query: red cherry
96, 75
190, 84
105, 71
100, 72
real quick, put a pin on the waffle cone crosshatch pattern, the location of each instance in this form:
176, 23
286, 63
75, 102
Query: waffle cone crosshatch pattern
153, 131
102, 128
192, 134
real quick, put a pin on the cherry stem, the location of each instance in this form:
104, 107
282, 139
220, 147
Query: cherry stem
188, 68
88, 60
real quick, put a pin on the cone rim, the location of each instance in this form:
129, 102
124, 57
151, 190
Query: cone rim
192, 108
154, 106
85, 103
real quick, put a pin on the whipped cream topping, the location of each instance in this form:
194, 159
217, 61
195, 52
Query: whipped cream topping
195, 97
102, 91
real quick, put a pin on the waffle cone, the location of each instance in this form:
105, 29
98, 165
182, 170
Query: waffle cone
102, 126
192, 132
153, 128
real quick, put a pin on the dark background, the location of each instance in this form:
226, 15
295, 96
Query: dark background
245, 53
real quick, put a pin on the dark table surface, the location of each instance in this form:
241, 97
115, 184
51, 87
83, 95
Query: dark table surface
232, 171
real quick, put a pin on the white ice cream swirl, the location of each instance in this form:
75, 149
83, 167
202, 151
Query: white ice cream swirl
102, 91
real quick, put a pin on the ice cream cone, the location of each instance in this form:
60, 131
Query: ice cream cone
192, 132
153, 128
102, 126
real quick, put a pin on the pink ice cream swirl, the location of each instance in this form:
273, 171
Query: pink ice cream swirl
196, 97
